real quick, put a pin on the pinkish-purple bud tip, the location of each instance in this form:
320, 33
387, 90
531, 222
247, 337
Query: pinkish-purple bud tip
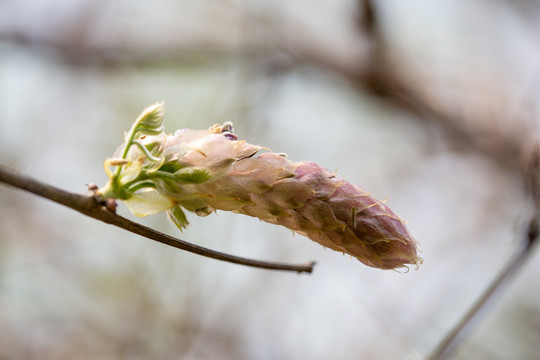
339, 215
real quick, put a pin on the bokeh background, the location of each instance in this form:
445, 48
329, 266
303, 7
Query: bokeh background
433, 105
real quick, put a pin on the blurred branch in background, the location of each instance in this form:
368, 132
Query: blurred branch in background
471, 129
473, 125
90, 206
372, 64
464, 327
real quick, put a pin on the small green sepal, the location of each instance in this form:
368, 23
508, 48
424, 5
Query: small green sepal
178, 217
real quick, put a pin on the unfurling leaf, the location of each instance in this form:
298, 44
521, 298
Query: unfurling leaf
178, 217
150, 122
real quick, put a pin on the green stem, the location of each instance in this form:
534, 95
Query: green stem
114, 190
149, 176
145, 150
131, 135
142, 185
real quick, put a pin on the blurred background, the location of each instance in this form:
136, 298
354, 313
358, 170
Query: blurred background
433, 105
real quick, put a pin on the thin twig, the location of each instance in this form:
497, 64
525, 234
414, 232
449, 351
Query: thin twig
463, 328
88, 205
459, 333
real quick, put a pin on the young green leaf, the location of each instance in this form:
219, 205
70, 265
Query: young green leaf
150, 122
178, 217
192, 175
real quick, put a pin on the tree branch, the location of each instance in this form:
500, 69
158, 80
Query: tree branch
463, 328
90, 206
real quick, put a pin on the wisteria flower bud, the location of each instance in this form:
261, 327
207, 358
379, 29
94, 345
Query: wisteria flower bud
207, 170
